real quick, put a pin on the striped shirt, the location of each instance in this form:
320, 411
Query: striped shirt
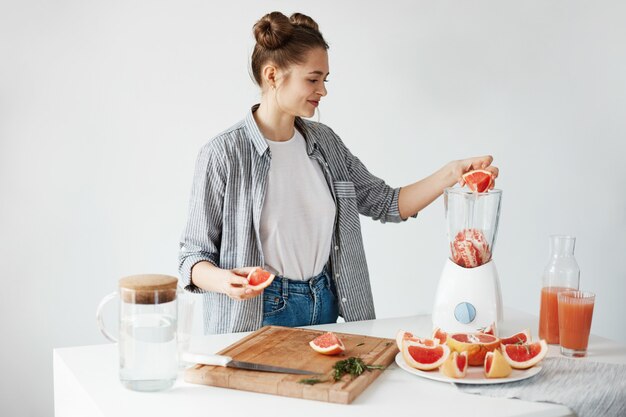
229, 187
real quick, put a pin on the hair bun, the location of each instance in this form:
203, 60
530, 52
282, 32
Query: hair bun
299, 19
273, 30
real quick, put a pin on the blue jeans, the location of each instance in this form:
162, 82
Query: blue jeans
292, 303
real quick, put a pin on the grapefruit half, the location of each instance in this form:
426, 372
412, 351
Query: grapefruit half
475, 344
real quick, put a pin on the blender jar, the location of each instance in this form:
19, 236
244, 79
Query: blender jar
472, 220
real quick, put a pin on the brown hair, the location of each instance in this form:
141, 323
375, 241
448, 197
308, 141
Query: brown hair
284, 41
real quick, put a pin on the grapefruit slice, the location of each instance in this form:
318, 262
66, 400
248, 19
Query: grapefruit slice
496, 366
517, 339
424, 358
455, 366
478, 180
327, 344
404, 335
259, 278
475, 344
524, 356
440, 334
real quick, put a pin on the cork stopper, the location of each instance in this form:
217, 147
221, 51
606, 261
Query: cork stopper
148, 289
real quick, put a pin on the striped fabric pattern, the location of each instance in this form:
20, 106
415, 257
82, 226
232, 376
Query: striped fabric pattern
225, 210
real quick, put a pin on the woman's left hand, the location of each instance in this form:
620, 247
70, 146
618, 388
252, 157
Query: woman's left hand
479, 162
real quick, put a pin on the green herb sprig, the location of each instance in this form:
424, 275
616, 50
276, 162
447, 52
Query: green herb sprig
351, 366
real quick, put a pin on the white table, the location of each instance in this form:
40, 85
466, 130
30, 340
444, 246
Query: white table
86, 384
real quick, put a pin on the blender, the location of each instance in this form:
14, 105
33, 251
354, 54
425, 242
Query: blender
468, 297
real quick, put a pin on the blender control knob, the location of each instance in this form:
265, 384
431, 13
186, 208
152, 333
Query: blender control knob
465, 312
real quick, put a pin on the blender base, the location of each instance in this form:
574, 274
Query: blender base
468, 299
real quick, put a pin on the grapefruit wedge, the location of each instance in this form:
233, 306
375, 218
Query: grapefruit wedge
455, 366
440, 335
259, 278
424, 358
524, 356
496, 366
478, 180
404, 335
517, 339
327, 344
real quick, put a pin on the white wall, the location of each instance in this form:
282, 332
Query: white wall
104, 105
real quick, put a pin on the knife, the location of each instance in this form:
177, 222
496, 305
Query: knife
227, 361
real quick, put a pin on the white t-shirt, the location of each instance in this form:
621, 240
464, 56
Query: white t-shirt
298, 214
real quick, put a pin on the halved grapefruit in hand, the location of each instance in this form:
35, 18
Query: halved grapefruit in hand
478, 180
327, 344
455, 366
404, 335
424, 358
476, 344
259, 278
496, 366
524, 356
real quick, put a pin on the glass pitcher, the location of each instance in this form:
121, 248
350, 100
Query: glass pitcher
560, 274
148, 353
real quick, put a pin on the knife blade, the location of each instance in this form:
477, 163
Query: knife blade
227, 361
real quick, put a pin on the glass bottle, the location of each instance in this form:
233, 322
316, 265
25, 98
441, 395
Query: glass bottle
561, 274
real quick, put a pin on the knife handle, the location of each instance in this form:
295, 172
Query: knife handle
201, 358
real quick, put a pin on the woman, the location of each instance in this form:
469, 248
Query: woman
284, 193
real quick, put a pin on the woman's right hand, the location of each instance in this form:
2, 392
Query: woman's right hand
232, 282
235, 284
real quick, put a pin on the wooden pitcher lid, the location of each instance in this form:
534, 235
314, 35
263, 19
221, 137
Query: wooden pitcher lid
148, 288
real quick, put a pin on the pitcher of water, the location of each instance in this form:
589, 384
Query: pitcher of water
147, 331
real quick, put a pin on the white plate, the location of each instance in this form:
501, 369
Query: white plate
474, 375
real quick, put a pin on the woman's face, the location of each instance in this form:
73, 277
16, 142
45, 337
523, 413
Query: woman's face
300, 88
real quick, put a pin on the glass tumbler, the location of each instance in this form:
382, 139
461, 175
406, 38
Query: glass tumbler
575, 314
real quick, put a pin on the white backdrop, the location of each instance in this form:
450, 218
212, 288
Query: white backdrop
104, 105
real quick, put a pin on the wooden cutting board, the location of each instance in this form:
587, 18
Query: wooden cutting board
289, 347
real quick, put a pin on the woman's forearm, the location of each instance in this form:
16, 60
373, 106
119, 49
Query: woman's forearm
418, 195
207, 276
415, 197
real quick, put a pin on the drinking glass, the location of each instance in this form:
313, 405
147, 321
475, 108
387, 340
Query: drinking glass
575, 314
